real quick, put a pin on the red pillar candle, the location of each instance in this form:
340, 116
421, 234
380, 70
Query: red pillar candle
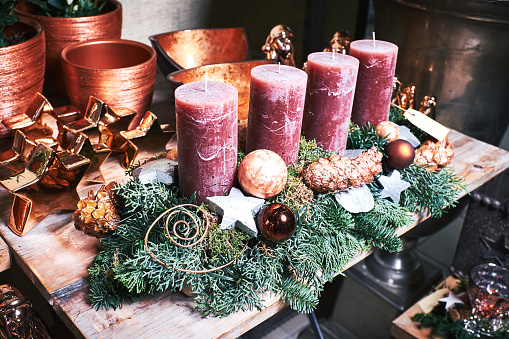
206, 114
276, 103
329, 98
377, 64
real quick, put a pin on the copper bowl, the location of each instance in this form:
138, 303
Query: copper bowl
21, 70
62, 32
119, 72
197, 47
237, 74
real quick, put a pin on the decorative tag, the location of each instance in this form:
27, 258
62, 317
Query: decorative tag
428, 125
429, 302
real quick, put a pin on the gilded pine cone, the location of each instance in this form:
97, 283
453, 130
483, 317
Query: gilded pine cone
97, 214
435, 154
339, 173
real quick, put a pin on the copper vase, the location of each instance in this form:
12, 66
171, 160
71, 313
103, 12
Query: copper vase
119, 72
21, 70
61, 32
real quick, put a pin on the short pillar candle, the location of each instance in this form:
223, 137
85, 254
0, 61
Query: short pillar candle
206, 114
377, 64
329, 99
276, 104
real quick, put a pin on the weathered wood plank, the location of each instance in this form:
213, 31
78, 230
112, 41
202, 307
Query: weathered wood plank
56, 257
5, 257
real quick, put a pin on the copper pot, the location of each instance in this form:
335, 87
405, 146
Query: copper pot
21, 70
237, 74
119, 72
61, 32
197, 47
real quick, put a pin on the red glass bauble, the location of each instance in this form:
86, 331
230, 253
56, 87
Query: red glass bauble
400, 154
276, 222
262, 173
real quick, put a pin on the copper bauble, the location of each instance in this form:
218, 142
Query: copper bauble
400, 154
262, 173
276, 222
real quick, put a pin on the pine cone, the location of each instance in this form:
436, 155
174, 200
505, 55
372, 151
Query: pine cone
97, 214
338, 173
436, 154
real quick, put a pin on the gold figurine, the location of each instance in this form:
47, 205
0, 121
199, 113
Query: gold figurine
340, 43
279, 46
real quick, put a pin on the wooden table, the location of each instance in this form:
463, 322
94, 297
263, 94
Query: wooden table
56, 258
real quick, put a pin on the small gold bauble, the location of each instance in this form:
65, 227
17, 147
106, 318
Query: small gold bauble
388, 130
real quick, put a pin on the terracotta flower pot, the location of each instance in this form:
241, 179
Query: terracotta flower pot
119, 72
21, 70
61, 32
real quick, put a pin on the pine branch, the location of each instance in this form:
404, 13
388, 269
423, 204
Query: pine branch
364, 138
301, 298
430, 192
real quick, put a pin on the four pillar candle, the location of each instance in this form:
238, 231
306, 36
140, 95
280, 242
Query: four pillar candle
377, 65
207, 112
207, 115
329, 99
276, 104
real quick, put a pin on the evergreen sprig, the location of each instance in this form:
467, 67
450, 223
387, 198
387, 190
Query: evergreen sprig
430, 192
68, 8
364, 138
7, 19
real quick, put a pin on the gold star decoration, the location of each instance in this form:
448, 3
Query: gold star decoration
149, 134
34, 122
80, 147
48, 182
14, 159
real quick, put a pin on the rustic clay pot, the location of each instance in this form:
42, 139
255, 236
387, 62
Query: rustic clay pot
61, 32
197, 47
21, 70
237, 74
119, 72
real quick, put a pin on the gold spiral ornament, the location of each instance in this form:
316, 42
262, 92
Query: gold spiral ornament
185, 236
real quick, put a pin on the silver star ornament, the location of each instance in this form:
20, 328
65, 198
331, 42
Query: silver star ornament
237, 210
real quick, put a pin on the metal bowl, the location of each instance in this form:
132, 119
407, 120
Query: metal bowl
197, 47
237, 74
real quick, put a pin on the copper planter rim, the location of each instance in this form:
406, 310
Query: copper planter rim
124, 42
119, 72
116, 3
168, 64
34, 24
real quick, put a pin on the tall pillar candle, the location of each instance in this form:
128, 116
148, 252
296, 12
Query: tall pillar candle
276, 104
206, 114
329, 98
377, 64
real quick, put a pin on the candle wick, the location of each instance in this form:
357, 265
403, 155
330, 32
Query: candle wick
374, 44
279, 68
206, 81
